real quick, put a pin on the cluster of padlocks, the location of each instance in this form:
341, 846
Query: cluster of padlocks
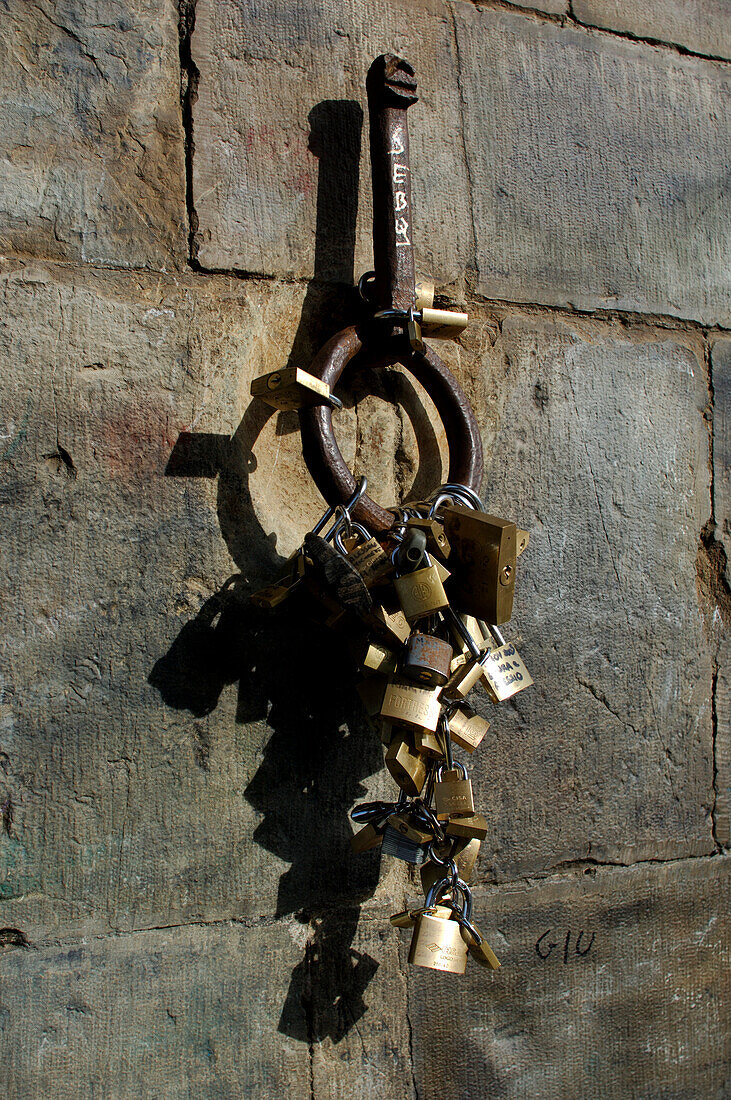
421, 606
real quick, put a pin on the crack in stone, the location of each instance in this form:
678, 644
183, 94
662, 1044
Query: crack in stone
189, 80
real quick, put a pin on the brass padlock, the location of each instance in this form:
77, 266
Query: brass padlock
463, 652
366, 839
437, 943
390, 623
424, 292
426, 660
371, 561
443, 324
467, 729
413, 332
411, 827
463, 679
472, 827
379, 659
411, 706
478, 948
291, 388
505, 672
371, 692
273, 594
482, 561
437, 542
464, 853
409, 917
406, 765
453, 792
421, 593
430, 742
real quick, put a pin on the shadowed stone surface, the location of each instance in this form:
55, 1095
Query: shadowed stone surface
598, 168
635, 1007
721, 606
282, 95
703, 26
91, 149
174, 1012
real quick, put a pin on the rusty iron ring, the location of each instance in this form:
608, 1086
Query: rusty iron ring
319, 446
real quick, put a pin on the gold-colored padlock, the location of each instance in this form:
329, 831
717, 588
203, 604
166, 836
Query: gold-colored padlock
378, 658
437, 543
371, 561
482, 561
390, 623
472, 827
463, 852
505, 673
437, 943
463, 679
443, 324
413, 332
467, 729
409, 917
371, 692
421, 593
424, 292
430, 742
406, 765
366, 839
453, 792
462, 651
410, 705
409, 826
291, 388
479, 949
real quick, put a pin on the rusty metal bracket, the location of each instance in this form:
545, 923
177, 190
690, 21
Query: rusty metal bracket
391, 88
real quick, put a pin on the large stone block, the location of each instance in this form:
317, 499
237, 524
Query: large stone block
703, 26
91, 150
596, 443
611, 985
174, 1013
597, 168
281, 165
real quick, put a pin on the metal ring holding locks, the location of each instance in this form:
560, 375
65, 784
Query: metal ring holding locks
378, 350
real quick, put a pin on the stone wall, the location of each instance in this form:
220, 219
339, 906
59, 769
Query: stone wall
184, 205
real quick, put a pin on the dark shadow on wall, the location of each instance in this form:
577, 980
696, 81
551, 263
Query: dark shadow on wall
290, 672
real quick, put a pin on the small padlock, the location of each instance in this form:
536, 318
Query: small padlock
443, 324
437, 942
411, 705
371, 561
378, 658
371, 692
464, 856
453, 792
478, 947
406, 765
421, 593
413, 332
409, 917
424, 289
426, 660
472, 827
291, 388
400, 847
505, 673
467, 729
437, 542
367, 838
389, 622
430, 742
411, 827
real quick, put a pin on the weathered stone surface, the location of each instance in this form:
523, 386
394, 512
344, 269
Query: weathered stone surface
168, 754
553, 7
281, 162
634, 1007
596, 443
597, 168
360, 1026
703, 26
721, 367
174, 1012
91, 149
720, 609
